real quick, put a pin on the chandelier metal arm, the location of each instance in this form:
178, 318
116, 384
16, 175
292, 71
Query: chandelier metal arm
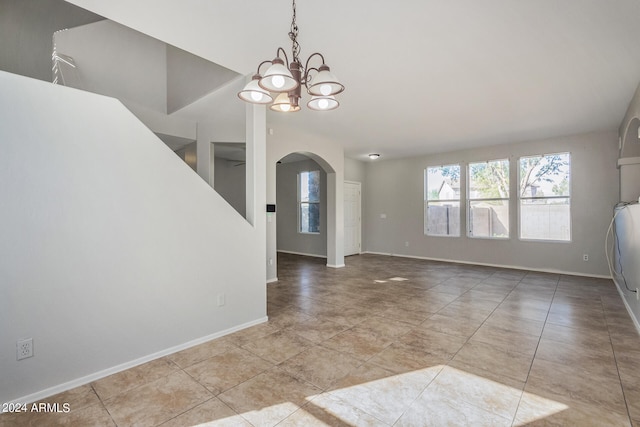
286, 58
261, 64
306, 73
286, 80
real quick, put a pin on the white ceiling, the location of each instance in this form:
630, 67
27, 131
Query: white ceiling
425, 76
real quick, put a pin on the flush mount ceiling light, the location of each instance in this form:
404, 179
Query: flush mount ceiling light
285, 79
374, 156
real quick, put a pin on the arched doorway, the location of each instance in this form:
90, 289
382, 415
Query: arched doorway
331, 161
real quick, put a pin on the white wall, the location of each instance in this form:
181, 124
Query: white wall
288, 238
396, 188
28, 26
626, 262
117, 61
354, 170
112, 251
330, 156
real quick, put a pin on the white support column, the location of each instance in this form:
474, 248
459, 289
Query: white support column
204, 165
335, 219
256, 131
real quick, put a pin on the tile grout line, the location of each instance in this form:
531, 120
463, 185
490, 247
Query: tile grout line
536, 350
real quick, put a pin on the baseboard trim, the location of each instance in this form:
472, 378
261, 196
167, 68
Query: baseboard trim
43, 394
512, 267
275, 279
302, 253
336, 265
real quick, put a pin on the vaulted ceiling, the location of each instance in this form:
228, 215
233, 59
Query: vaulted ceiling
424, 76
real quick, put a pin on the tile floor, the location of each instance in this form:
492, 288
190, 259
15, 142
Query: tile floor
452, 345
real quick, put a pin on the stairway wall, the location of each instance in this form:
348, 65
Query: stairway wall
112, 251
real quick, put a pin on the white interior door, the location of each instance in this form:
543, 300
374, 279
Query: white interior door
352, 221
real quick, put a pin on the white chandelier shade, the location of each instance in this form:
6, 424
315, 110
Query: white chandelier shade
323, 103
253, 93
325, 83
282, 104
278, 78
281, 84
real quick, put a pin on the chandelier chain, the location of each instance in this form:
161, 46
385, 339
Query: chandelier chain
293, 35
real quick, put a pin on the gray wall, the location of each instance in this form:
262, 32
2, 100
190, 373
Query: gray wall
396, 188
354, 170
288, 238
26, 31
229, 181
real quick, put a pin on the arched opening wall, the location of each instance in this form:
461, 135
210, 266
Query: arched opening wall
330, 156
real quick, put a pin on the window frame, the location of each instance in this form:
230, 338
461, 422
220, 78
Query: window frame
520, 198
427, 200
301, 203
488, 199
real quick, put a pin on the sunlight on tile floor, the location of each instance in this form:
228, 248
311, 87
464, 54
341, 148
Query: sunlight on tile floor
450, 345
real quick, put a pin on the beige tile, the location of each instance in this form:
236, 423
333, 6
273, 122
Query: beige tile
358, 342
535, 410
475, 309
226, 370
433, 409
487, 375
557, 381
212, 413
525, 310
244, 336
383, 393
77, 398
134, 377
86, 416
401, 358
594, 359
318, 330
480, 392
581, 337
412, 317
328, 410
510, 320
461, 326
507, 363
433, 342
158, 401
349, 316
631, 390
505, 339
385, 328
279, 346
270, 397
198, 353
320, 366
578, 320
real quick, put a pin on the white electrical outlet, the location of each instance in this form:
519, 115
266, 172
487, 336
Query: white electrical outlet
221, 300
24, 348
585, 257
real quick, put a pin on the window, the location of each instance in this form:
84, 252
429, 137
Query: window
545, 208
488, 190
442, 201
309, 202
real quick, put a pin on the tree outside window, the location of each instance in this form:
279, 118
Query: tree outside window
309, 202
488, 192
545, 196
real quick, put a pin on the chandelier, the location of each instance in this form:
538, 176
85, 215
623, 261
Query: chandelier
281, 85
